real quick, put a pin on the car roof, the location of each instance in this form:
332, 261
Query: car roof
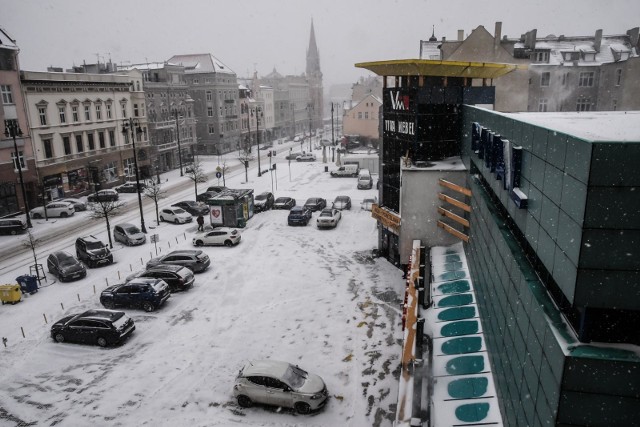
185, 252
142, 280
274, 368
327, 210
282, 199
167, 267
100, 314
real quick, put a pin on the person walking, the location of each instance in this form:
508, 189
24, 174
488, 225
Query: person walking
200, 221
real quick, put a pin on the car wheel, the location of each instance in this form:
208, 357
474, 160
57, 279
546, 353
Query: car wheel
161, 218
58, 337
228, 243
63, 215
109, 304
199, 243
14, 232
245, 401
37, 216
148, 307
102, 342
176, 221
302, 408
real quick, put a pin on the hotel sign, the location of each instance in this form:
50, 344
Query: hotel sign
386, 218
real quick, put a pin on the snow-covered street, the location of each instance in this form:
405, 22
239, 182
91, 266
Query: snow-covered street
317, 298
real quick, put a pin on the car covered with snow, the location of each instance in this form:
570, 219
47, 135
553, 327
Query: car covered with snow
328, 218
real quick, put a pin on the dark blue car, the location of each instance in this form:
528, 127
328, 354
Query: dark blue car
299, 215
145, 293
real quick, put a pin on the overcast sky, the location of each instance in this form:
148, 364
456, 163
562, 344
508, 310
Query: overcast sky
263, 34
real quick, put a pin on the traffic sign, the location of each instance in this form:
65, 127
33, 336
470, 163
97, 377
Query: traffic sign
218, 174
218, 169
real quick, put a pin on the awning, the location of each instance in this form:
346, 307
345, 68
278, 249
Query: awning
428, 67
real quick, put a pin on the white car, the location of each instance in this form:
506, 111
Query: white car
367, 204
219, 236
282, 384
329, 218
308, 157
61, 209
175, 215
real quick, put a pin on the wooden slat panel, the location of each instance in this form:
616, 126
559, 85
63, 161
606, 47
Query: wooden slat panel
454, 187
454, 202
457, 218
453, 231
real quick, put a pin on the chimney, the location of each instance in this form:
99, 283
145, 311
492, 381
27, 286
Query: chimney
597, 41
634, 36
530, 39
460, 35
498, 34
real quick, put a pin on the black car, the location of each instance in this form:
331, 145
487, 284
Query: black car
177, 277
315, 204
284, 203
148, 294
195, 260
206, 196
194, 208
299, 215
130, 187
65, 266
102, 327
104, 196
263, 202
93, 252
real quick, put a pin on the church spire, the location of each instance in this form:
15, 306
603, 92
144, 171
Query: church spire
313, 56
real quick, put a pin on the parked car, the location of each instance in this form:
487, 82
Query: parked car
342, 202
104, 196
299, 215
128, 234
292, 155
145, 293
315, 204
194, 208
93, 252
206, 196
216, 189
65, 267
61, 209
219, 236
367, 204
196, 260
284, 203
175, 215
308, 157
328, 218
281, 384
365, 182
263, 202
130, 187
12, 225
78, 204
178, 278
102, 327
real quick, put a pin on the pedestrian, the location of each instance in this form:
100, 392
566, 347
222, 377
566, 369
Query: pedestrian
200, 222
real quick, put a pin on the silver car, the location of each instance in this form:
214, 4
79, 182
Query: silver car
128, 234
281, 384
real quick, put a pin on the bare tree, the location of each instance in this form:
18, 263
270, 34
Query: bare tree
245, 157
196, 174
155, 193
32, 243
106, 210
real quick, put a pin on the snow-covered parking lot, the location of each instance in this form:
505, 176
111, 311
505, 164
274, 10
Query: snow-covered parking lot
317, 298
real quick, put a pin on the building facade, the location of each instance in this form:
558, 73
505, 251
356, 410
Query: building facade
363, 119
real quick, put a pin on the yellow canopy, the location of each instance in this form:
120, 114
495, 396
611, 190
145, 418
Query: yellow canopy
428, 67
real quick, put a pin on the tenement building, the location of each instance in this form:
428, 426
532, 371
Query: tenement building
544, 293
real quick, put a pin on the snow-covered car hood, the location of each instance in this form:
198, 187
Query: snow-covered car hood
313, 384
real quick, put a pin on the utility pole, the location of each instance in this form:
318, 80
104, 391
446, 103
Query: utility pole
175, 113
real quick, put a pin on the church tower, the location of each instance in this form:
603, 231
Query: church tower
314, 79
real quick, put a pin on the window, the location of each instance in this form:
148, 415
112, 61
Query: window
7, 95
565, 79
212, 129
124, 110
618, 76
210, 111
92, 143
101, 140
195, 81
48, 148
62, 114
108, 106
209, 96
79, 144
42, 113
541, 56
615, 105
542, 105
135, 110
87, 112
586, 79
112, 138
583, 104
366, 115
545, 78
74, 114
15, 161
66, 143
98, 112
359, 115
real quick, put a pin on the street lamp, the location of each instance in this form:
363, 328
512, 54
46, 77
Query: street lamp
134, 127
259, 114
333, 137
175, 113
12, 130
310, 109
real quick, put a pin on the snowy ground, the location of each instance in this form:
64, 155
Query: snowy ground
313, 297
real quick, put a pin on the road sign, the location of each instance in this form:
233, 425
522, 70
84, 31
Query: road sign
218, 169
155, 238
218, 174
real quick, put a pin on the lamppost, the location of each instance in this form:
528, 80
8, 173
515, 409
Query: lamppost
12, 130
310, 109
134, 127
259, 114
333, 138
293, 122
175, 113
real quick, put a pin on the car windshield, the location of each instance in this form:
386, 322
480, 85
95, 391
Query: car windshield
94, 245
325, 213
132, 230
67, 260
341, 199
261, 197
234, 232
294, 376
158, 285
281, 200
120, 320
178, 211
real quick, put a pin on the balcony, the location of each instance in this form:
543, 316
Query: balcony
229, 101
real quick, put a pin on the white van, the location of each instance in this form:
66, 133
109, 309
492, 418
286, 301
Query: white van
365, 182
346, 170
